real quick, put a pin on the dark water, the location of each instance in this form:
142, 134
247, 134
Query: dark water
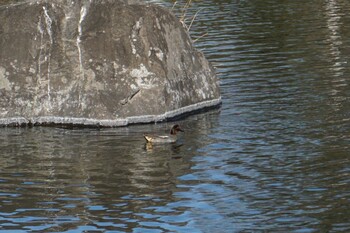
275, 158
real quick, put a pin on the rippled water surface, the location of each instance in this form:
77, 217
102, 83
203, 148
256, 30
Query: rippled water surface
275, 157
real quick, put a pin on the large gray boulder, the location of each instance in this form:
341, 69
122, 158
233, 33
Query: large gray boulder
98, 62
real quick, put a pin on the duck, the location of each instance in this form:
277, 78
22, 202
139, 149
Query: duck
171, 138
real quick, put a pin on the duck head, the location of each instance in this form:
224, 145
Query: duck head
175, 129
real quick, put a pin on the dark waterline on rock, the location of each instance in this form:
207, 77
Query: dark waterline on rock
274, 158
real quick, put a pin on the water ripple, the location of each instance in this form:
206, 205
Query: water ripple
273, 158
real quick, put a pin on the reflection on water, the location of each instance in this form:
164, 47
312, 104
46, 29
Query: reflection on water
57, 179
275, 157
333, 24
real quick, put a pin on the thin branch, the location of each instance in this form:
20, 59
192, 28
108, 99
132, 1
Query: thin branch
184, 10
205, 34
174, 6
193, 18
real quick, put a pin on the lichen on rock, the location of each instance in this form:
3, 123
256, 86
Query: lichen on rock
98, 62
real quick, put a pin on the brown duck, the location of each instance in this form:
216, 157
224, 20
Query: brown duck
172, 137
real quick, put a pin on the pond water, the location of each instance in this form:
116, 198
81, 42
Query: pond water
275, 157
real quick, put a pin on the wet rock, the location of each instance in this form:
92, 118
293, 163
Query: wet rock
99, 62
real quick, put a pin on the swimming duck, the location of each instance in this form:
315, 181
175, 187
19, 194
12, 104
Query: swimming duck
164, 138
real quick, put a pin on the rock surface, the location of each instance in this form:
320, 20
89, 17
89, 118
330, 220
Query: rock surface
98, 62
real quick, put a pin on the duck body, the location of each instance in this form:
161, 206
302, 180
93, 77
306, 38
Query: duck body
160, 138
171, 138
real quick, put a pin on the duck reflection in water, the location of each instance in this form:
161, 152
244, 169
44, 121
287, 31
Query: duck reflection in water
160, 148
